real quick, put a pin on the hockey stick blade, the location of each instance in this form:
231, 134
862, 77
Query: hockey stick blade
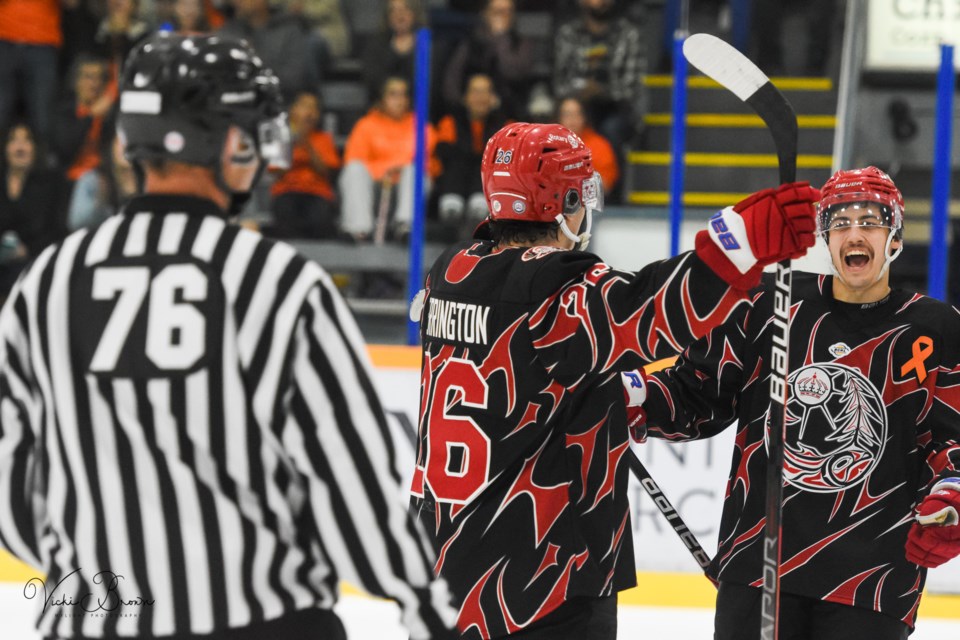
734, 71
670, 513
730, 68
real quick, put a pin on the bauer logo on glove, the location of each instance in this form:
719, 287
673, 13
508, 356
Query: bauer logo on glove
724, 236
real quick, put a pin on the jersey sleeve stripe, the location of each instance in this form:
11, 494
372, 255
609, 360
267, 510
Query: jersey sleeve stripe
80, 457
16, 529
336, 309
358, 432
417, 564
284, 321
260, 305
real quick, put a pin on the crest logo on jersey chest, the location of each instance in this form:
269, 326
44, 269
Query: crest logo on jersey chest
836, 428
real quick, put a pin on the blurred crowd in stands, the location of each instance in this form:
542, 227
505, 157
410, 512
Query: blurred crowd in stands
347, 70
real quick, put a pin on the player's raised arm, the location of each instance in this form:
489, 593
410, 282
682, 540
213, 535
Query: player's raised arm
596, 315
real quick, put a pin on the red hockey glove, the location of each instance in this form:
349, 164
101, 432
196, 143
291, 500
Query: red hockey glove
769, 226
634, 393
935, 537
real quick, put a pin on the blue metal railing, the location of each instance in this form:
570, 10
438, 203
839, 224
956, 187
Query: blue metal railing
943, 138
417, 228
678, 140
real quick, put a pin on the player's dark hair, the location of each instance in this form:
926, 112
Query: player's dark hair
522, 233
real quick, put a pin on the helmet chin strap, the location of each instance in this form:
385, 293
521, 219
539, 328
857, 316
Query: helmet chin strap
238, 199
886, 252
581, 241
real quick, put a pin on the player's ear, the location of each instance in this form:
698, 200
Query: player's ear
895, 245
240, 160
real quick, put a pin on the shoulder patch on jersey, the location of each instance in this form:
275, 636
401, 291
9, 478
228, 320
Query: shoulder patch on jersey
839, 349
535, 253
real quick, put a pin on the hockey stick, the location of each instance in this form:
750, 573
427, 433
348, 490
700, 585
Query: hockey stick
671, 514
733, 70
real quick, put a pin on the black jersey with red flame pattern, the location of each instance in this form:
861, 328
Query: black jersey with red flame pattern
873, 416
522, 419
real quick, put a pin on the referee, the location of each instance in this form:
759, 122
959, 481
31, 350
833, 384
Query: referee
190, 442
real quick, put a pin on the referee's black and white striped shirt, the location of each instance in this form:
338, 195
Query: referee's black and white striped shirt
189, 406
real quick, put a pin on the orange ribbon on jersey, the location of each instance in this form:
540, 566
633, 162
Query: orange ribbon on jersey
922, 349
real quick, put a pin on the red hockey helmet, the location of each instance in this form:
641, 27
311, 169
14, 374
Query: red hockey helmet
537, 172
859, 186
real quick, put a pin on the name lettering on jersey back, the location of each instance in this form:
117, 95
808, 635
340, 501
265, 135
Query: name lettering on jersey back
457, 321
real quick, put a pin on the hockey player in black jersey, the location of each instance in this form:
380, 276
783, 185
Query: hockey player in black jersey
520, 467
189, 433
872, 446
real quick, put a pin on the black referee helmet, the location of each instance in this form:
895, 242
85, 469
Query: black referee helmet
179, 95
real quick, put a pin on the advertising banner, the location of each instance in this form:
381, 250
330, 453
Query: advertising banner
905, 35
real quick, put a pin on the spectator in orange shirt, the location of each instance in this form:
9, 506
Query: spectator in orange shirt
30, 35
304, 204
461, 137
380, 151
572, 114
84, 120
